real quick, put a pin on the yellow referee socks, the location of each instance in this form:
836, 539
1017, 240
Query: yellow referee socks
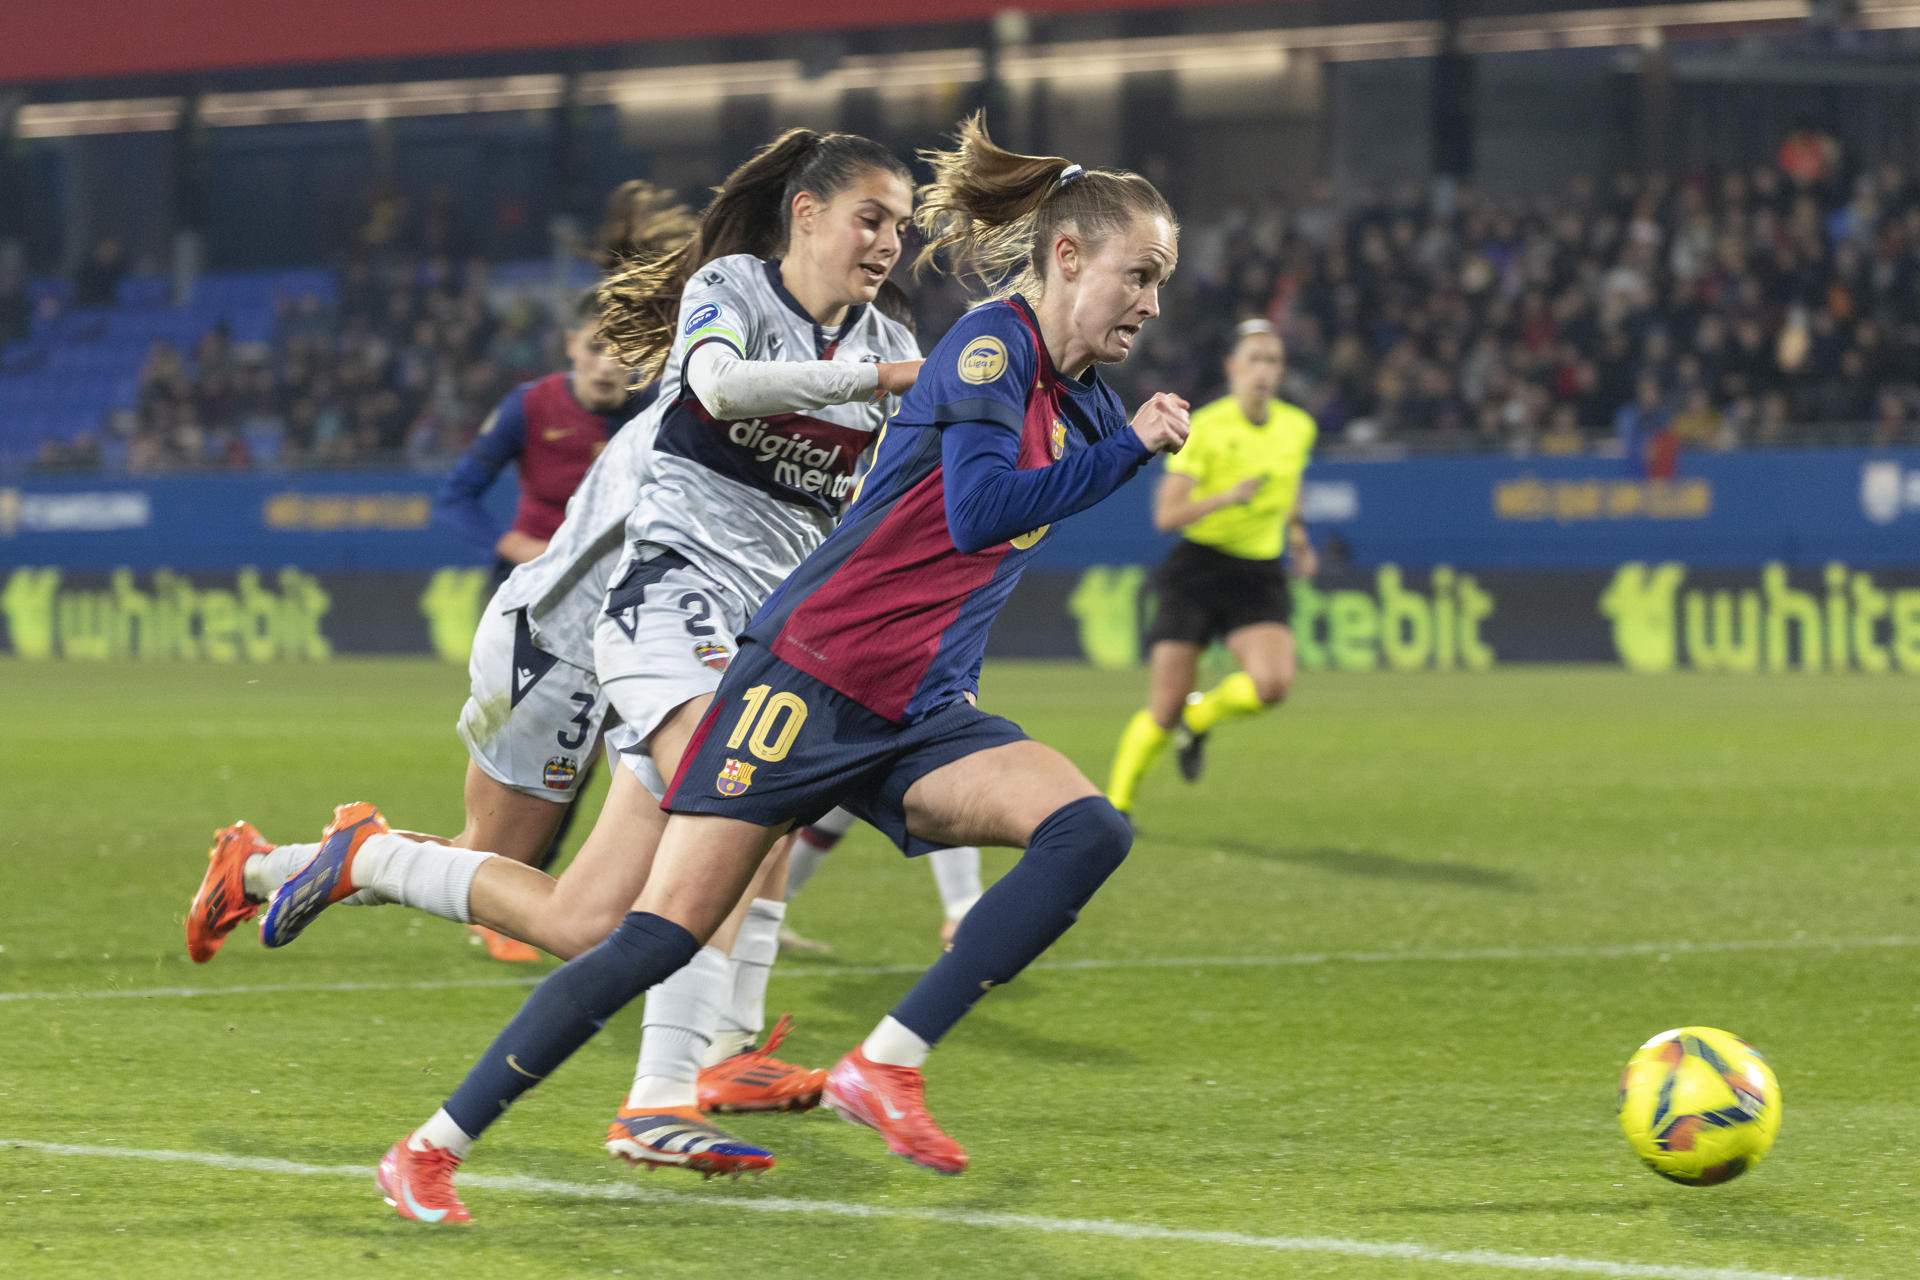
1229, 700
1140, 745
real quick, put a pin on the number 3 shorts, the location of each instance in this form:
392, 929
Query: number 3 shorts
531, 721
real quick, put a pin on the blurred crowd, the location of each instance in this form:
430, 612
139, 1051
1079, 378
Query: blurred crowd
1649, 313
404, 365
1747, 308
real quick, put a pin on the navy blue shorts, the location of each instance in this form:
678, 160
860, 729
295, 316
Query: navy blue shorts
779, 746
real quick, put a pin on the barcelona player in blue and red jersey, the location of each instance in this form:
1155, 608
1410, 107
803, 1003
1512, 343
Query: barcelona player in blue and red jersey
855, 682
553, 427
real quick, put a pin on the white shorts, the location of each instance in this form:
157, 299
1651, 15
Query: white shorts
531, 722
663, 639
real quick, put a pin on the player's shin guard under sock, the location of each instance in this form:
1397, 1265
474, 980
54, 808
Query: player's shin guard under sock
956, 874
1141, 743
436, 878
266, 872
744, 1016
1072, 853
681, 1016
565, 1011
1229, 700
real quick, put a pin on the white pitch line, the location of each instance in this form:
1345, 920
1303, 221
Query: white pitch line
1148, 1232
1473, 955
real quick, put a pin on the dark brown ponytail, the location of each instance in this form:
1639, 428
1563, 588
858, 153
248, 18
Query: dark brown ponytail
750, 213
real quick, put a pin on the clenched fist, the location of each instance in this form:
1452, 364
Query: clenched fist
1161, 423
898, 376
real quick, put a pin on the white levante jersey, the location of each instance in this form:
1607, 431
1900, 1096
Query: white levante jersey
562, 588
746, 501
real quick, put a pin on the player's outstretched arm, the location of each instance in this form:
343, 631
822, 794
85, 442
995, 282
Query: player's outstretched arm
731, 388
990, 499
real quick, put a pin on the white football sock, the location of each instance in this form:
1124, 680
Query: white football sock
676, 1028
892, 1044
441, 1132
745, 1015
266, 872
956, 873
804, 858
802, 861
436, 878
836, 824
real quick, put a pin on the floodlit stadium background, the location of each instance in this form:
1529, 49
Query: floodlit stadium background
1569, 290
1610, 318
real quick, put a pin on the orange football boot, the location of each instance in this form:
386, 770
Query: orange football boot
893, 1102
503, 948
755, 1080
419, 1184
221, 904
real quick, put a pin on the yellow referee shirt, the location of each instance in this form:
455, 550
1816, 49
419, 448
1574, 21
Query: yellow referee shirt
1225, 448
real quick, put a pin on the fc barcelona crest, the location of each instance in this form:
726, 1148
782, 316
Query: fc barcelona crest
735, 777
1057, 439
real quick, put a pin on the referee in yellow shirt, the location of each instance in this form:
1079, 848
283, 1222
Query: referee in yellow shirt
1231, 492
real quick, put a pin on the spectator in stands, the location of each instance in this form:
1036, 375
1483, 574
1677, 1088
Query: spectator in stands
163, 384
1760, 302
1563, 436
1644, 427
1699, 425
1893, 420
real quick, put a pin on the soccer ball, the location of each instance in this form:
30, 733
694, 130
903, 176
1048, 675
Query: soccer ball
1700, 1106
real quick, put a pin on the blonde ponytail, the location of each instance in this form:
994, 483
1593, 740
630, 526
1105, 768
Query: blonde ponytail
994, 214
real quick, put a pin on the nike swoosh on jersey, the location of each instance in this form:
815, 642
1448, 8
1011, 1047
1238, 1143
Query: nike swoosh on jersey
556, 433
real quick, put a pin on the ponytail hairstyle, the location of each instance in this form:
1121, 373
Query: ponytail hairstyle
996, 213
640, 221
751, 212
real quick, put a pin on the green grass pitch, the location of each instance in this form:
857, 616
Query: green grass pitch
1356, 1005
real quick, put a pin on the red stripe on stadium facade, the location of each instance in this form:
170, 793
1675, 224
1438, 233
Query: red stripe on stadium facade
50, 40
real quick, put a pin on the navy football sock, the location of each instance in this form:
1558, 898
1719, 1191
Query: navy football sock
565, 1011
1071, 854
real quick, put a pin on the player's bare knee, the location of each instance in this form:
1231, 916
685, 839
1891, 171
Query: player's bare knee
578, 931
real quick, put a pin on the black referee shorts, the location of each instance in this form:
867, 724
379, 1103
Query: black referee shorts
1205, 594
